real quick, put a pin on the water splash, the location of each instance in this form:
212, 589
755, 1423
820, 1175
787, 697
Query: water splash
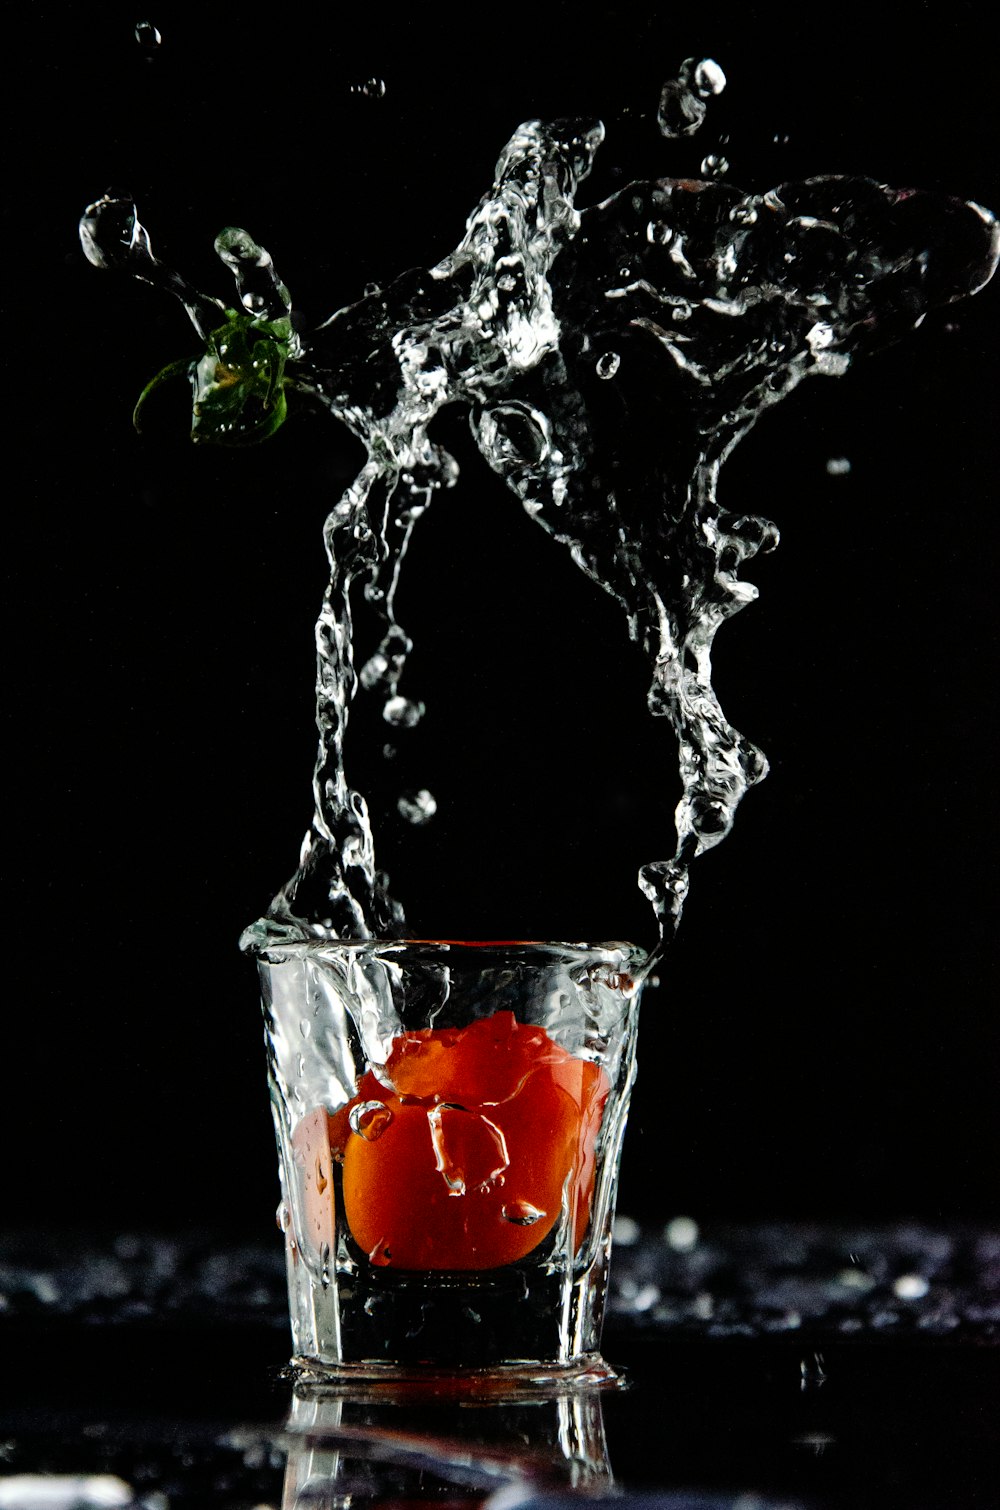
609, 360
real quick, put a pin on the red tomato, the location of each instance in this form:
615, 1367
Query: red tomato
462, 1165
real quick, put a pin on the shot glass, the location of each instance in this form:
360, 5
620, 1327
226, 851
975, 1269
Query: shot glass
449, 1119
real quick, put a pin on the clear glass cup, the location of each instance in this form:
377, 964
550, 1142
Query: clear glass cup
449, 1118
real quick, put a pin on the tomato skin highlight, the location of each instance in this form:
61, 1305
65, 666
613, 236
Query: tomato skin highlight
486, 1127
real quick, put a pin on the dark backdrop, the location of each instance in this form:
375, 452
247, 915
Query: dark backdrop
822, 1042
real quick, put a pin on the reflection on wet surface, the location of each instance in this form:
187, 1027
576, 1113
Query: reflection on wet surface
396, 1448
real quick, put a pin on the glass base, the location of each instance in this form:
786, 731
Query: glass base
502, 1381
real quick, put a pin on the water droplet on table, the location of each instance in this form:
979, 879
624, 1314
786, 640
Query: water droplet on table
681, 1234
911, 1286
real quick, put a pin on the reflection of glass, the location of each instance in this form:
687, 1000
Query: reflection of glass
449, 1118
393, 1449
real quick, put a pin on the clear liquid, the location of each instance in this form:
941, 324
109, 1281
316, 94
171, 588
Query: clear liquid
609, 359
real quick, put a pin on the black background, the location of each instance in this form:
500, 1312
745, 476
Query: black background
822, 1043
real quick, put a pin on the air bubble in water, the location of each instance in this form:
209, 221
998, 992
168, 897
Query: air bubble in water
369, 1120
838, 466
147, 35
374, 88
607, 365
417, 807
402, 712
470, 1151
521, 1213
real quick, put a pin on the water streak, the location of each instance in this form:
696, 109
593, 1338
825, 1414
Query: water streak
609, 359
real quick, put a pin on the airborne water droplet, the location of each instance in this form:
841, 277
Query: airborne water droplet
402, 713
680, 111
373, 671
374, 88
838, 466
147, 35
708, 78
417, 808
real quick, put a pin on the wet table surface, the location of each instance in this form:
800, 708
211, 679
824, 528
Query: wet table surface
764, 1366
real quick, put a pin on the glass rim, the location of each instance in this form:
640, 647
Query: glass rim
275, 943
